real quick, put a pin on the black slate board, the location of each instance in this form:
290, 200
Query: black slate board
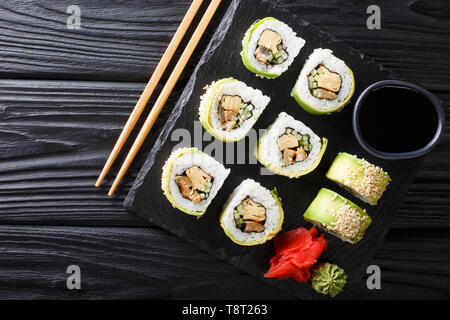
222, 59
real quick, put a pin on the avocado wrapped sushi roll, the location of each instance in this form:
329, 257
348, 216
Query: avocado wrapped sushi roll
325, 83
191, 179
290, 148
338, 216
269, 47
229, 109
363, 179
252, 214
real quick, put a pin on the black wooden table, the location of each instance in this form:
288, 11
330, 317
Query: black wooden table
65, 94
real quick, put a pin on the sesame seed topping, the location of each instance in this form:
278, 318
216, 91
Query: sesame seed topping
367, 180
349, 222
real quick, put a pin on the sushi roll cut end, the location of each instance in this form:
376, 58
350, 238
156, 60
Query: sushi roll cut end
252, 214
191, 179
269, 47
363, 179
338, 216
290, 148
325, 84
229, 109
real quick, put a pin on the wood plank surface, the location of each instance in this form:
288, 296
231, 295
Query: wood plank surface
133, 263
123, 41
64, 97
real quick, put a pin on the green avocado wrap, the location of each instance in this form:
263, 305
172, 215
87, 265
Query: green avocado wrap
363, 179
338, 216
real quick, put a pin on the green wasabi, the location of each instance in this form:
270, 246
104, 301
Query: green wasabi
328, 279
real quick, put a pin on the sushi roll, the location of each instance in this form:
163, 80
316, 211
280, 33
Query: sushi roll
191, 179
269, 47
361, 178
229, 109
338, 216
290, 148
325, 83
252, 214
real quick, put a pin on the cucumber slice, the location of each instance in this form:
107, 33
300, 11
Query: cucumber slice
280, 60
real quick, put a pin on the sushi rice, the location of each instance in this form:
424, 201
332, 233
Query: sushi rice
210, 114
269, 200
302, 94
269, 155
179, 161
291, 44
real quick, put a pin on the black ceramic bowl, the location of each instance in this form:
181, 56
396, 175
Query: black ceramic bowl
435, 102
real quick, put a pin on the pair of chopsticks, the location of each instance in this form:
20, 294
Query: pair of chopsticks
164, 95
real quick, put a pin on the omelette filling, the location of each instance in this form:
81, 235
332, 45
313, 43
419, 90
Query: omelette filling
323, 83
250, 216
194, 184
270, 50
234, 111
294, 146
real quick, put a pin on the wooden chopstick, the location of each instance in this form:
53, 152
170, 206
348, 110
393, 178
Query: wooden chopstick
164, 95
150, 87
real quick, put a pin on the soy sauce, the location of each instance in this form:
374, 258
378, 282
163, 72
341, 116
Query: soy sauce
395, 119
